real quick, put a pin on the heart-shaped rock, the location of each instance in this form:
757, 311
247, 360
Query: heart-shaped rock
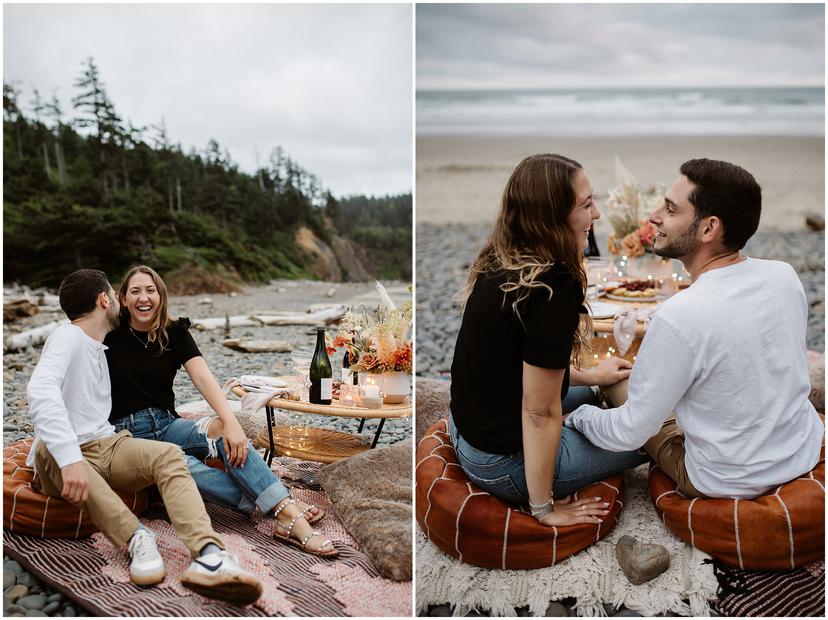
641, 562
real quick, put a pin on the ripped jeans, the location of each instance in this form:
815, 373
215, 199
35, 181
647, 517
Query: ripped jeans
244, 488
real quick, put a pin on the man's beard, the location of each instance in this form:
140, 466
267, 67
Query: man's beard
114, 320
683, 245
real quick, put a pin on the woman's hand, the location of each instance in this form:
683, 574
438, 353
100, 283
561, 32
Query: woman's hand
610, 371
235, 443
568, 512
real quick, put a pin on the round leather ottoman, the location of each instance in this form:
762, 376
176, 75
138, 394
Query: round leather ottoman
27, 511
477, 528
778, 531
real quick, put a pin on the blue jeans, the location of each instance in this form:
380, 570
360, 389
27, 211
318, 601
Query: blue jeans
578, 395
579, 463
244, 488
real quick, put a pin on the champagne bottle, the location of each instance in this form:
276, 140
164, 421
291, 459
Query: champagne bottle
321, 373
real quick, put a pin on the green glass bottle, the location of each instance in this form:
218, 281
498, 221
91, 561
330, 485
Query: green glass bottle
321, 373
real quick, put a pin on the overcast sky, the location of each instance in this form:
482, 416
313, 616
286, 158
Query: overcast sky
593, 45
331, 84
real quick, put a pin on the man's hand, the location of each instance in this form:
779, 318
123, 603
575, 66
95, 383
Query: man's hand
235, 443
75, 483
611, 371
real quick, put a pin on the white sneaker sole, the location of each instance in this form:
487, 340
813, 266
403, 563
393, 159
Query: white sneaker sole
237, 589
148, 579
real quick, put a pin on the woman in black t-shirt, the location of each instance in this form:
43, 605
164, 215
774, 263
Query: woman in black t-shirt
518, 347
144, 354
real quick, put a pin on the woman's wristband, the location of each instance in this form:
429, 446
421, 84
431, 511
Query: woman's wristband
540, 510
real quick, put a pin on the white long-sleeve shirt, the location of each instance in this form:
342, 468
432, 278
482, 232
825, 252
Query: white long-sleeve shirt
728, 356
69, 394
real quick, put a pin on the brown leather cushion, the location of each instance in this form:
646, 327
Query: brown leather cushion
30, 512
477, 528
779, 531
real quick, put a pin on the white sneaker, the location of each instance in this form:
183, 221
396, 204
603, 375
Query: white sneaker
218, 575
146, 567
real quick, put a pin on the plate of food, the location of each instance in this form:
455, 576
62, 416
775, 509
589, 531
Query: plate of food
260, 382
603, 310
635, 290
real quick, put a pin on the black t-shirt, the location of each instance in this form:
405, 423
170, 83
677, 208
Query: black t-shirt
141, 378
487, 370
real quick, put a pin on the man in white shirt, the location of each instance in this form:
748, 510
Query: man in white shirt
78, 456
726, 357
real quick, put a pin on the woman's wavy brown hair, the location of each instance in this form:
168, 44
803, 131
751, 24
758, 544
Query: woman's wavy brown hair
532, 233
161, 321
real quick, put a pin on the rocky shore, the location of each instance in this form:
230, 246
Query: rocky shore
280, 295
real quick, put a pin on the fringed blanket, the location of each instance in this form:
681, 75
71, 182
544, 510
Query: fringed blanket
96, 575
593, 577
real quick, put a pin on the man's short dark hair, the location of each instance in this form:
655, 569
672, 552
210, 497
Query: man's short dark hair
728, 192
79, 291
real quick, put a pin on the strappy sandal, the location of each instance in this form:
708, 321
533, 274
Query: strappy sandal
313, 518
325, 550
309, 517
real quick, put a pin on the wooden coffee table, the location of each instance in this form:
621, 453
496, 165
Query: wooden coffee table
317, 444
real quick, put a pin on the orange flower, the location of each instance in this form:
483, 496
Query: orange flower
341, 341
631, 245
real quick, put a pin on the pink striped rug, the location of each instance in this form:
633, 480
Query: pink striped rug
96, 575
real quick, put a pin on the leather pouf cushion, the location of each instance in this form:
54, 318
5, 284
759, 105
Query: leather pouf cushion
782, 530
477, 528
27, 511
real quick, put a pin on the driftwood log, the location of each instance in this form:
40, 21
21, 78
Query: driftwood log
18, 309
31, 337
250, 345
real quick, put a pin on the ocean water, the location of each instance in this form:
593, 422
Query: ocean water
610, 112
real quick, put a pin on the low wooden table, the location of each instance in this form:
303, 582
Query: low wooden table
317, 444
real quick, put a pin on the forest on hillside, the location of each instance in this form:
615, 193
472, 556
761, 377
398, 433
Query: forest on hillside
89, 188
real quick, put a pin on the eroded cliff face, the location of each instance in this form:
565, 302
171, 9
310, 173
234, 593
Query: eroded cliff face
353, 260
345, 261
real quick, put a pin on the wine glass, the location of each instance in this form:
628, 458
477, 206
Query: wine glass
301, 360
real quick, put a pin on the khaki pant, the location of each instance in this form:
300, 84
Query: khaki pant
666, 448
127, 464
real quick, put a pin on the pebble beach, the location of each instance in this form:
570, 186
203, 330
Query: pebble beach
24, 594
460, 180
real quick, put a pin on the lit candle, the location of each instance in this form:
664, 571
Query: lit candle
370, 391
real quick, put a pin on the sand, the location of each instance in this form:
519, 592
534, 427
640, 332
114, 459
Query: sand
461, 178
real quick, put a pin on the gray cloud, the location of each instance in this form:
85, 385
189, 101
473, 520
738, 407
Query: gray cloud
331, 84
494, 45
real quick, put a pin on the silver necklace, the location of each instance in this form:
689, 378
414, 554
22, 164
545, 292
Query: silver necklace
134, 335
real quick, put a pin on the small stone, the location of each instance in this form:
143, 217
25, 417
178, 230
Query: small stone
815, 221
32, 601
13, 567
9, 428
556, 610
27, 579
36, 613
57, 596
15, 592
69, 612
443, 611
205, 300
9, 578
51, 608
641, 562
14, 609
627, 613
